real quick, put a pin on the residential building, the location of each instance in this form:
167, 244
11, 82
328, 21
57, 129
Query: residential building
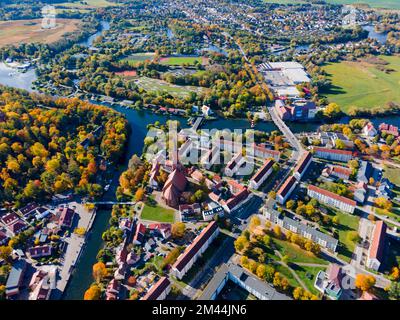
3, 238
113, 290
296, 110
159, 291
260, 151
28, 210
384, 189
365, 172
289, 223
286, 189
244, 279
200, 244
337, 172
40, 252
234, 164
331, 199
369, 130
66, 218
15, 278
360, 192
330, 282
329, 139
333, 154
389, 129
302, 165
209, 215
377, 246
262, 174
140, 232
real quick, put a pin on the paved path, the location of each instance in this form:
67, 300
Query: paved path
295, 275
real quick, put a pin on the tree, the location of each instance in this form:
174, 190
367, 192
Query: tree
290, 204
178, 230
261, 270
254, 222
364, 282
395, 274
278, 231
139, 194
5, 252
394, 291
99, 271
93, 293
241, 243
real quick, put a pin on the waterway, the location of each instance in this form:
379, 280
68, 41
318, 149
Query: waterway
14, 78
379, 36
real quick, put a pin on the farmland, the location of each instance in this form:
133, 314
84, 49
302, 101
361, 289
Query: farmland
30, 31
87, 4
362, 85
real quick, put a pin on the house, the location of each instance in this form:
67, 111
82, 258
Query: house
113, 289
42, 213
154, 173
365, 172
3, 238
384, 189
140, 232
369, 130
330, 282
329, 139
126, 224
302, 165
337, 172
210, 157
10, 218
389, 129
360, 192
173, 187
66, 218
28, 210
15, 278
261, 175
377, 247
333, 154
40, 285
206, 111
234, 164
200, 244
40, 252
331, 199
18, 226
160, 229
209, 215
289, 223
159, 291
197, 176
260, 151
286, 189
189, 209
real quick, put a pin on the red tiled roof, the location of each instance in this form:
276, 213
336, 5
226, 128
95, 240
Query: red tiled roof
284, 189
341, 170
302, 164
263, 170
336, 151
9, 218
332, 195
157, 289
378, 240
190, 251
264, 149
67, 215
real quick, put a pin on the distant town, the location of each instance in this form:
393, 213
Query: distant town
199, 150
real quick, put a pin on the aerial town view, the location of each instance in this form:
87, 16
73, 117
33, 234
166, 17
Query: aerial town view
230, 150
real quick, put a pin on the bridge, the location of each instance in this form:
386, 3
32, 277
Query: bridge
197, 123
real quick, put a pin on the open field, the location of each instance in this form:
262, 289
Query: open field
30, 31
362, 85
157, 213
387, 4
347, 223
87, 4
139, 57
178, 61
392, 173
156, 85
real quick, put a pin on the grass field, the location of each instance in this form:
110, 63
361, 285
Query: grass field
157, 213
362, 85
178, 61
139, 57
156, 85
87, 4
392, 173
30, 31
307, 275
387, 4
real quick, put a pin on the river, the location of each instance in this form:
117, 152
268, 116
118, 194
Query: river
14, 78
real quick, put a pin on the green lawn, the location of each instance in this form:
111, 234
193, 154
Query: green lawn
177, 61
135, 58
157, 213
348, 223
296, 254
308, 275
393, 174
361, 85
87, 4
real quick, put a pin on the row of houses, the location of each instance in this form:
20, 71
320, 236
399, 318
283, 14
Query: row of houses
200, 244
332, 199
291, 182
289, 223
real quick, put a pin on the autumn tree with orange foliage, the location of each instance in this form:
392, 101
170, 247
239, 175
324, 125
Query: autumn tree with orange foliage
93, 293
99, 271
365, 282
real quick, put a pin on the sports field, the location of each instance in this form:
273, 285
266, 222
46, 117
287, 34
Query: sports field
30, 31
387, 4
135, 58
156, 85
178, 61
362, 85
